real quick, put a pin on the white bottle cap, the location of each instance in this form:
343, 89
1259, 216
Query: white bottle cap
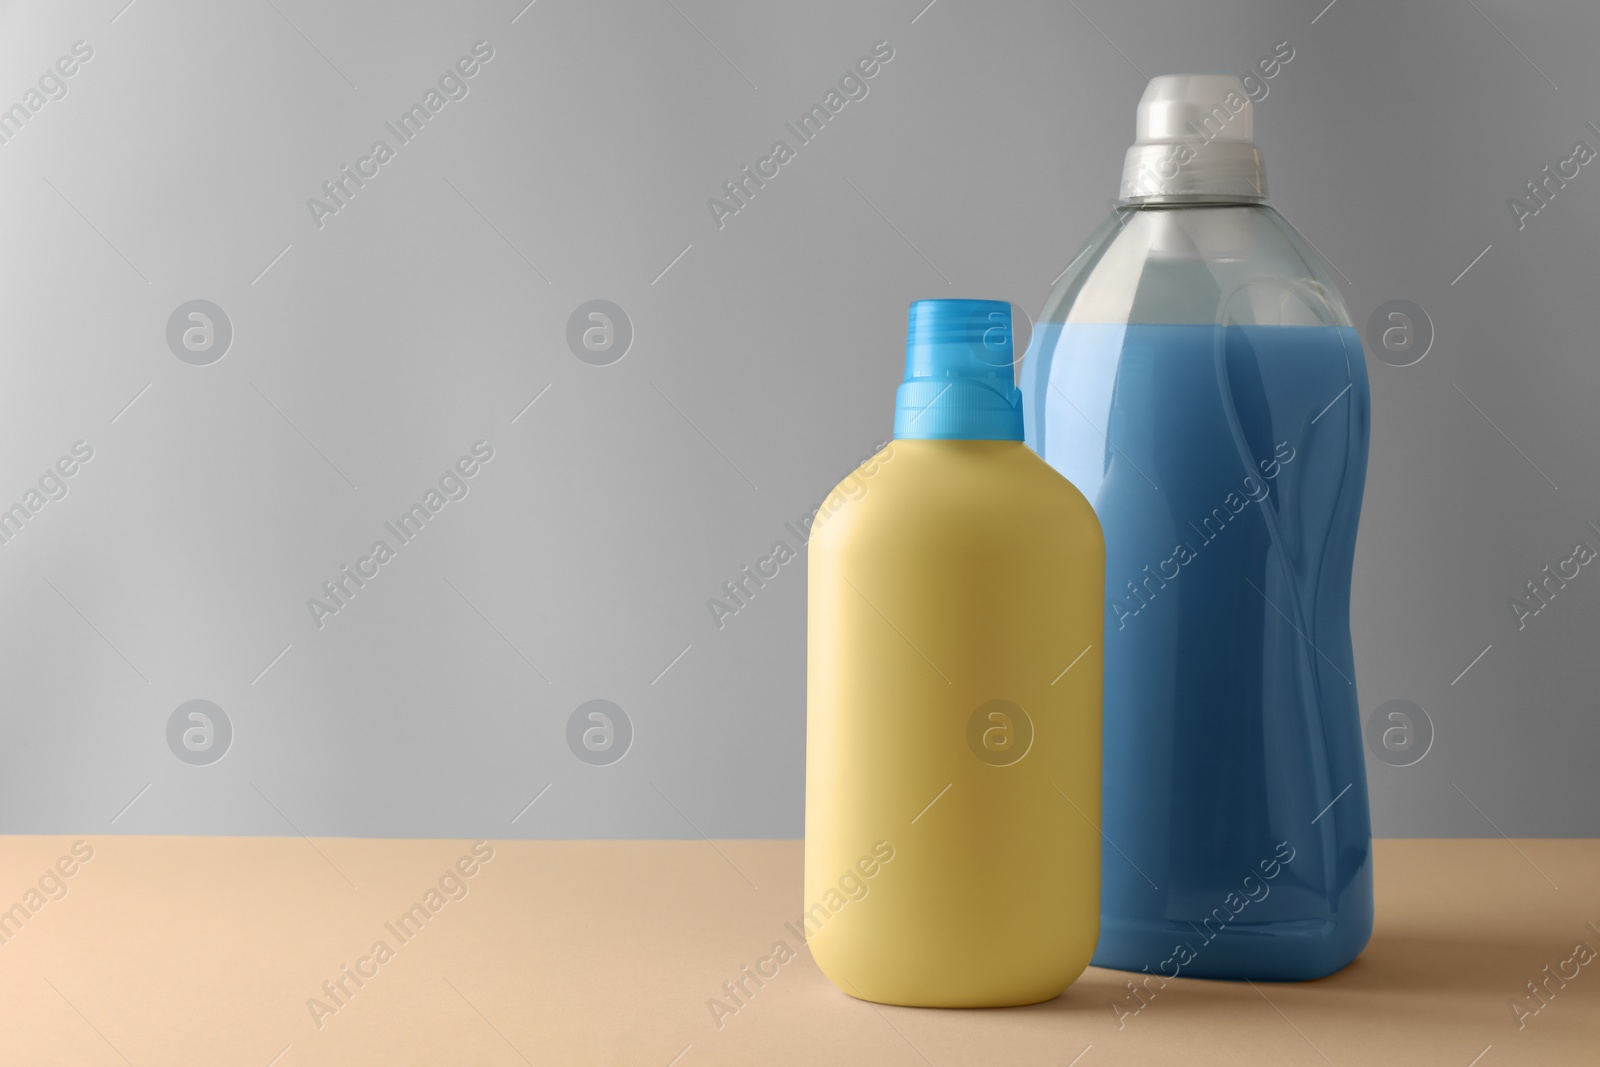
1193, 143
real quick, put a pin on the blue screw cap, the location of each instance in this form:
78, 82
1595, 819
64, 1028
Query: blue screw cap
960, 380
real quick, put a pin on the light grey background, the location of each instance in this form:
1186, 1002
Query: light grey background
370, 353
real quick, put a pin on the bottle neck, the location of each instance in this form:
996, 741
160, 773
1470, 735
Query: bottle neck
1165, 172
1192, 200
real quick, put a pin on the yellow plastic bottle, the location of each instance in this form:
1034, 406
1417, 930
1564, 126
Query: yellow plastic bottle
952, 854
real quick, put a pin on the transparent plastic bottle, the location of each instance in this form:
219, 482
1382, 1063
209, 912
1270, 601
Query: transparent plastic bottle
1196, 376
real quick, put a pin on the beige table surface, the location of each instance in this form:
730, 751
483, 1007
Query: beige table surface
166, 950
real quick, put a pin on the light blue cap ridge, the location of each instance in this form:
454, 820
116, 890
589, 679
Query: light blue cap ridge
960, 381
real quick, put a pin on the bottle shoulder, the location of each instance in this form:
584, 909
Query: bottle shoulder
943, 491
1231, 264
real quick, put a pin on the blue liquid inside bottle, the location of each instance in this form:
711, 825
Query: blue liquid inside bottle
1226, 466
